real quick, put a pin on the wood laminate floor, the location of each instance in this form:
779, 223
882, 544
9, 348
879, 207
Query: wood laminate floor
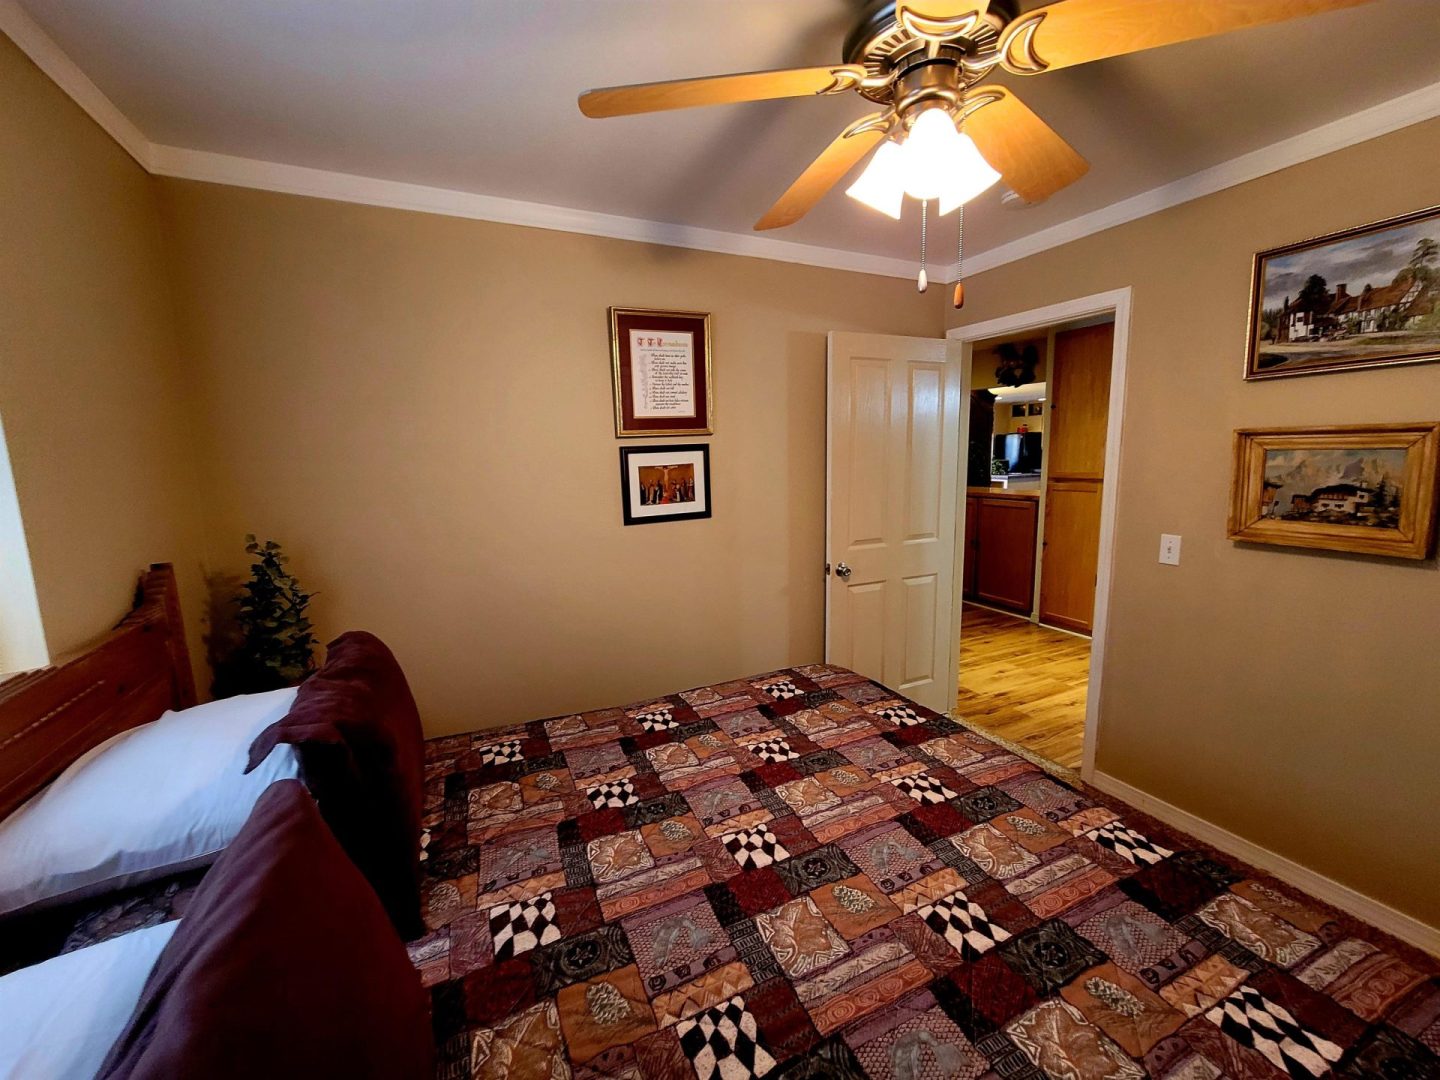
1023, 682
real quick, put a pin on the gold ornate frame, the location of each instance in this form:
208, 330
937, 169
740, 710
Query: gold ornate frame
1416, 533
622, 430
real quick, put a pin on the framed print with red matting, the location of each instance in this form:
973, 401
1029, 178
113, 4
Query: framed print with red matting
660, 361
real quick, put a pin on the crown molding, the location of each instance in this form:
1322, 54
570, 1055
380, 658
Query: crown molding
1403, 111
347, 187
1358, 127
35, 43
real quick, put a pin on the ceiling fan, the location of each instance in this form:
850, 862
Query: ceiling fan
941, 135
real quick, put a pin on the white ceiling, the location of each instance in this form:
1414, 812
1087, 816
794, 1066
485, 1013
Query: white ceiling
479, 96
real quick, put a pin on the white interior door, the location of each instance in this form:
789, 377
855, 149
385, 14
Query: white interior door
892, 459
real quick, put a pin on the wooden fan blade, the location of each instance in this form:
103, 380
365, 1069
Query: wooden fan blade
1078, 31
1026, 151
719, 90
825, 172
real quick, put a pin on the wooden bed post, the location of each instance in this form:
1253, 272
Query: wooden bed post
158, 586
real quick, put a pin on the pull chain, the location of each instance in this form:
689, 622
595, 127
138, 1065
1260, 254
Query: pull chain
959, 298
923, 281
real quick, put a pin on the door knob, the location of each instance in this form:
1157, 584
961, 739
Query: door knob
843, 572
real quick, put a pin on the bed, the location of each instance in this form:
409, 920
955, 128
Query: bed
795, 874
52, 716
804, 874
351, 732
173, 896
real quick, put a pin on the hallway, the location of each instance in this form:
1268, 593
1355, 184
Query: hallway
1024, 683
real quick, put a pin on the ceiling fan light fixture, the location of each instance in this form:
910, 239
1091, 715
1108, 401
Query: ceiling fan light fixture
915, 63
882, 185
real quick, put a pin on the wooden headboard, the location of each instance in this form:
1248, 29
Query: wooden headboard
49, 717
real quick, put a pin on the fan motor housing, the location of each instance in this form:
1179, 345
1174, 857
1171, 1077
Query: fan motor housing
923, 82
882, 46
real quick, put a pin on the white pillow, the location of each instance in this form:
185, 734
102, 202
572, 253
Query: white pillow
61, 1017
154, 800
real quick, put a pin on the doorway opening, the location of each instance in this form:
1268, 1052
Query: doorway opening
1044, 395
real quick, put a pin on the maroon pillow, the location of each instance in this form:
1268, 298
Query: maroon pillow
357, 732
285, 964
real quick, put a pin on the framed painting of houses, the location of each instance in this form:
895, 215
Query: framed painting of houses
1364, 297
1367, 489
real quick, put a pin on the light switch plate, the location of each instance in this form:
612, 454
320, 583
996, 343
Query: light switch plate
1170, 549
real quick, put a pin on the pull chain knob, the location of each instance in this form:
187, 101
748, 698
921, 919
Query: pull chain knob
958, 298
922, 282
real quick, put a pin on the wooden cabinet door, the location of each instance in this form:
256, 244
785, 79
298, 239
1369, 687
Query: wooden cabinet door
972, 543
1072, 554
1079, 398
1005, 575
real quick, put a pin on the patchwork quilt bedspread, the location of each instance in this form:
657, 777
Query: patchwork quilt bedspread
802, 874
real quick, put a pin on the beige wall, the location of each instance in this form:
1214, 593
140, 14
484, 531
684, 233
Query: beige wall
378, 389
420, 409
90, 390
1289, 696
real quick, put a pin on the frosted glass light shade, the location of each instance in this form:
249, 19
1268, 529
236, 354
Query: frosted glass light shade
882, 185
928, 148
970, 174
941, 163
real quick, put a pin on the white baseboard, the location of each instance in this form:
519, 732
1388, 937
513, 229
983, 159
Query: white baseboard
1381, 916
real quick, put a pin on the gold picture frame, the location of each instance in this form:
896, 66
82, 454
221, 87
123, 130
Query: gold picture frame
1367, 489
660, 369
1344, 318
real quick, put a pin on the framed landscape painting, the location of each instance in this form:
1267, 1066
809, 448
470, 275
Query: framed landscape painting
1365, 297
1367, 489
665, 483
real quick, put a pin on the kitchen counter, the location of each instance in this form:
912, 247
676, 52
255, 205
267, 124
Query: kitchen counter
1003, 493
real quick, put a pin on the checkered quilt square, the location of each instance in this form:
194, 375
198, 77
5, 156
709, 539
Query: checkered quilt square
963, 924
523, 925
723, 1043
755, 847
801, 874
1251, 1020
618, 793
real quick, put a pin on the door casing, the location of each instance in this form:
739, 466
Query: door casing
1116, 302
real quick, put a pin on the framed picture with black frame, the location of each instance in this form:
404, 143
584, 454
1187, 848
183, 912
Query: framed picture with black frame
665, 483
